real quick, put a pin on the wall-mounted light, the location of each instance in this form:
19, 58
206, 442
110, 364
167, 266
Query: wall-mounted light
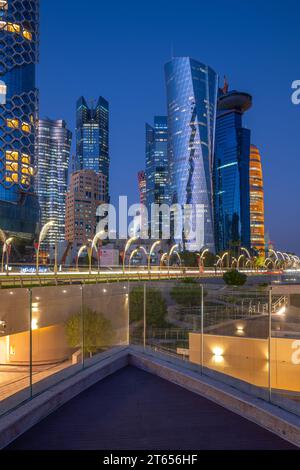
34, 324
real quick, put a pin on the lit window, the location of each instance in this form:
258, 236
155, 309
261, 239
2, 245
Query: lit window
3, 5
12, 166
12, 178
13, 28
27, 34
25, 180
25, 159
12, 123
26, 127
12, 155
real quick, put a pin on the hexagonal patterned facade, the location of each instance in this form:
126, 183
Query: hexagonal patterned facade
19, 38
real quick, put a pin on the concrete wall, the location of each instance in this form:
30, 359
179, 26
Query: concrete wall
247, 359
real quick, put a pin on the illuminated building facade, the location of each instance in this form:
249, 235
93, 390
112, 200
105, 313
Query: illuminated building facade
86, 192
192, 90
257, 206
157, 167
231, 171
92, 137
52, 163
142, 186
157, 170
19, 39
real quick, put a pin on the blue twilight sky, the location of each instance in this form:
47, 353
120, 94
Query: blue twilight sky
118, 49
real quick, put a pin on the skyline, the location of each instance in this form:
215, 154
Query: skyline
137, 78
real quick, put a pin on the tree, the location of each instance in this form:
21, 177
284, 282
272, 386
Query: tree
98, 331
156, 307
234, 278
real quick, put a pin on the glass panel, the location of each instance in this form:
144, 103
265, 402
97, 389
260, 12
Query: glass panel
106, 319
285, 347
236, 336
136, 312
56, 334
14, 348
173, 314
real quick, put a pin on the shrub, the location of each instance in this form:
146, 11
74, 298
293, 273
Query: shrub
234, 278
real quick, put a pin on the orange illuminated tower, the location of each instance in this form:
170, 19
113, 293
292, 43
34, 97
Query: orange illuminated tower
257, 206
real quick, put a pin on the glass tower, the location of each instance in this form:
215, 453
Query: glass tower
53, 155
92, 137
257, 205
231, 171
19, 38
192, 90
157, 168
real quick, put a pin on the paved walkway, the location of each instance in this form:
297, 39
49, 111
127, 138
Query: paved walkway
133, 410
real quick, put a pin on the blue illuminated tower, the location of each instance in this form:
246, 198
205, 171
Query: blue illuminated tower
232, 171
19, 39
92, 137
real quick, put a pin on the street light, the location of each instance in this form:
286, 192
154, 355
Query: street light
80, 251
94, 245
127, 246
239, 260
247, 252
42, 237
132, 256
155, 244
202, 257
170, 254
175, 252
5, 249
162, 259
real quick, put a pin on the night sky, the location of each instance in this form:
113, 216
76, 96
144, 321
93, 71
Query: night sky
118, 48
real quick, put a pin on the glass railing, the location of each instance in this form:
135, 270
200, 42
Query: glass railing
247, 337
48, 334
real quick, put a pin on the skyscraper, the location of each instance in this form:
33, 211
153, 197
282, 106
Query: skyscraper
157, 170
142, 186
19, 38
53, 155
231, 171
92, 137
86, 192
192, 89
257, 206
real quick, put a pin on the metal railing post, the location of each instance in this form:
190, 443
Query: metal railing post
145, 316
269, 345
202, 329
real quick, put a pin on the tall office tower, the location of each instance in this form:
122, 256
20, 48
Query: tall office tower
231, 171
257, 206
192, 89
19, 39
157, 170
157, 167
92, 137
51, 182
142, 186
87, 191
